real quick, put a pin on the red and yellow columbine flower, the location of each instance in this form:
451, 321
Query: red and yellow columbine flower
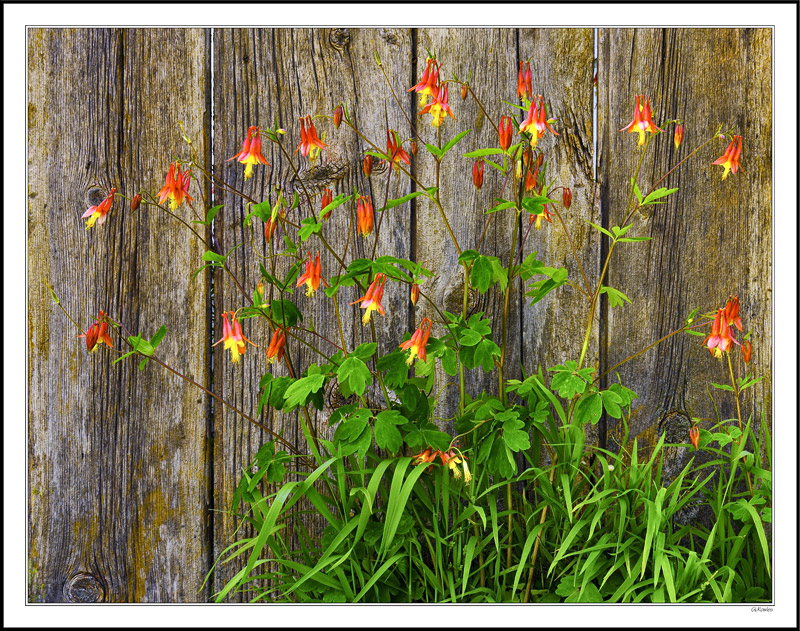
310, 144
720, 339
176, 187
414, 293
371, 301
536, 122
418, 341
642, 119
524, 89
439, 108
694, 436
251, 152
395, 150
233, 337
327, 198
477, 174
428, 84
276, 346
97, 334
366, 216
730, 159
545, 214
505, 132
312, 277
98, 213
678, 135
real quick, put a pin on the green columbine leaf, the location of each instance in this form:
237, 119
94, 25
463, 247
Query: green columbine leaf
656, 194
479, 153
353, 376
394, 368
299, 391
387, 435
453, 141
401, 200
309, 227
285, 312
615, 297
589, 408
482, 274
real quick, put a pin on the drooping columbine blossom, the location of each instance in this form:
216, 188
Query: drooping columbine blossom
97, 334
311, 278
418, 341
233, 337
366, 216
730, 159
310, 144
545, 214
747, 351
505, 132
371, 301
395, 150
439, 108
176, 187
566, 198
731, 312
98, 213
368, 160
271, 225
720, 339
276, 346
642, 119
251, 152
428, 84
536, 122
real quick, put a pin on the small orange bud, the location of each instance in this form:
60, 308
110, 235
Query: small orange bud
477, 174
678, 135
694, 436
368, 160
337, 117
327, 198
260, 293
414, 294
747, 351
539, 161
464, 92
567, 198
137, 199
414, 148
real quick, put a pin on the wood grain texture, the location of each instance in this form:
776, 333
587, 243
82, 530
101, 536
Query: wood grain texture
262, 75
712, 238
118, 458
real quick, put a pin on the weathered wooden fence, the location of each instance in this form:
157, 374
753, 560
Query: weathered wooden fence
131, 472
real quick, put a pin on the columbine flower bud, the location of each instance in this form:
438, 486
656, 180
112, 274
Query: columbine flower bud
505, 132
414, 148
678, 135
414, 294
694, 436
477, 174
368, 160
567, 198
747, 351
464, 92
260, 293
337, 117
327, 198
539, 161
137, 199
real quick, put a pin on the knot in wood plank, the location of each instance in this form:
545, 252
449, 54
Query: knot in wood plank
339, 38
84, 588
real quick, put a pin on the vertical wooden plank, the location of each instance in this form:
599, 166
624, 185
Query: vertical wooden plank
562, 68
117, 457
283, 74
712, 238
491, 56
